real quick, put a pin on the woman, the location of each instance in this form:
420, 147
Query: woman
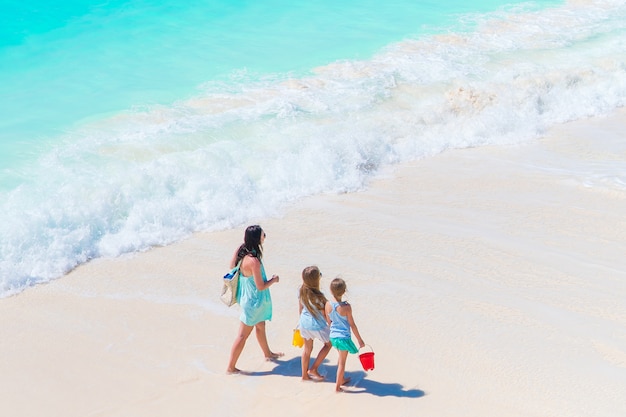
253, 295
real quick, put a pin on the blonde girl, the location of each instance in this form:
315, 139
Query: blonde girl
341, 322
313, 323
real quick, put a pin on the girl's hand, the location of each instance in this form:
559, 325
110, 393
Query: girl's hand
275, 278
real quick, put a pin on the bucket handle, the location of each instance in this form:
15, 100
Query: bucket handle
366, 346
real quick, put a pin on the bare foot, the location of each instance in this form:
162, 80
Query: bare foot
315, 376
346, 381
233, 371
274, 356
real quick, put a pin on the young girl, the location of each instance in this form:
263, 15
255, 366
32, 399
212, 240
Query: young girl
341, 321
313, 323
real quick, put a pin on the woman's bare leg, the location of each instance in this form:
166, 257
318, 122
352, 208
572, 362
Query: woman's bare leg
237, 348
261, 336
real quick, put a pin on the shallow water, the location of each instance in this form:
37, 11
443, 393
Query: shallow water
134, 124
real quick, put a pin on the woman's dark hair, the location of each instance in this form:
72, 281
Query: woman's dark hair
251, 243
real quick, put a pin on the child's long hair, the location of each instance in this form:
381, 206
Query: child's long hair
310, 294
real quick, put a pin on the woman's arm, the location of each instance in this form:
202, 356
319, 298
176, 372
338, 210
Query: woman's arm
233, 261
252, 263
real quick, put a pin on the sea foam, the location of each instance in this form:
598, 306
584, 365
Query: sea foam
246, 147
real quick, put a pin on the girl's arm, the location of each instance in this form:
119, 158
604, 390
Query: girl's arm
327, 309
355, 330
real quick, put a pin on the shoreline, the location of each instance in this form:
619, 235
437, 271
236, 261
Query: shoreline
489, 281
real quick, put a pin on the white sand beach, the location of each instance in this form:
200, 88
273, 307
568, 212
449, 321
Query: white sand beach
489, 282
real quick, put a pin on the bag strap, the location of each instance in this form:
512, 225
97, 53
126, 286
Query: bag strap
238, 266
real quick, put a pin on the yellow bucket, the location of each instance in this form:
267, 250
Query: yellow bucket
297, 341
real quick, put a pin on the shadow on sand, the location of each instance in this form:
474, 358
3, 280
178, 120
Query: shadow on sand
359, 384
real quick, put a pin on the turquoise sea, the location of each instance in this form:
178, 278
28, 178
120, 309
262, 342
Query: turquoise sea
132, 123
